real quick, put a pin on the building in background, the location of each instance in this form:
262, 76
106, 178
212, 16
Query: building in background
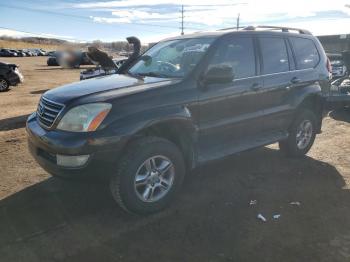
335, 43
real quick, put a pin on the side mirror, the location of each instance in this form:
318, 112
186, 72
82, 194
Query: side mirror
218, 74
146, 58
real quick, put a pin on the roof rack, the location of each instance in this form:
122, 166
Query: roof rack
282, 28
231, 28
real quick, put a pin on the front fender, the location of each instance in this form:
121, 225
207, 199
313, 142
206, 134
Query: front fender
130, 125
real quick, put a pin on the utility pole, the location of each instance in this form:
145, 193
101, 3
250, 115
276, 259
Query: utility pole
182, 20
238, 20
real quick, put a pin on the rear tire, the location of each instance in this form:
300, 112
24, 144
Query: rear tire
4, 85
149, 175
302, 135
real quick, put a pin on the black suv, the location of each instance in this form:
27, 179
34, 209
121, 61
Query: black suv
186, 101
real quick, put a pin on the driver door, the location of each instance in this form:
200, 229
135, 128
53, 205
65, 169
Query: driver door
229, 116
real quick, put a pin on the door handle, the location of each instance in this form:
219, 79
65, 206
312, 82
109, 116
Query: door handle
295, 80
255, 87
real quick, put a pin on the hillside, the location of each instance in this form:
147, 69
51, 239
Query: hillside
22, 45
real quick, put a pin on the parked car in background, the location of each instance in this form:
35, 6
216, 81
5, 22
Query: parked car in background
186, 101
339, 68
43, 52
52, 61
53, 57
7, 53
51, 53
9, 76
21, 52
339, 95
68, 59
37, 51
15, 52
30, 53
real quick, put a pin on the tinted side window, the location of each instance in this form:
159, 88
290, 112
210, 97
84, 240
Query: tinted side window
274, 54
305, 52
238, 53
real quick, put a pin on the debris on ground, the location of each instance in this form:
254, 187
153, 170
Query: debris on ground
261, 217
253, 202
295, 203
277, 216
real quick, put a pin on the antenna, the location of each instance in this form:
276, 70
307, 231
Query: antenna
182, 19
237, 24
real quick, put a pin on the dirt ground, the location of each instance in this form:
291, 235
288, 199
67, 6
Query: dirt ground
46, 219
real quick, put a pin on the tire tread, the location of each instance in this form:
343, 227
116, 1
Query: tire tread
130, 154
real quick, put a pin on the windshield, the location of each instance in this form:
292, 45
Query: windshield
175, 58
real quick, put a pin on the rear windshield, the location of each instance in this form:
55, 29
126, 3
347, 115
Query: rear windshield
305, 52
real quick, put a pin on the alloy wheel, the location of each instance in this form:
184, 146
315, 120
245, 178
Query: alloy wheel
154, 178
3, 85
304, 134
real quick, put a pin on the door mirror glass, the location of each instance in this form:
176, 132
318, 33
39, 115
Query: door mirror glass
219, 74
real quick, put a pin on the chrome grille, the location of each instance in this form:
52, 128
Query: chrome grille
48, 111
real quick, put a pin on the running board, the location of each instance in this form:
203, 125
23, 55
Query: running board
223, 150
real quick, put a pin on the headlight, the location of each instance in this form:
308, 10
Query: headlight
84, 118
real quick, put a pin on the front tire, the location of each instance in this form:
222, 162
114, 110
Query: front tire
301, 135
4, 85
149, 175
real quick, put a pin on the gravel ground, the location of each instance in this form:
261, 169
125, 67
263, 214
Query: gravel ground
46, 219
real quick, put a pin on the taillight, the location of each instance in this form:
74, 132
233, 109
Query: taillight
329, 66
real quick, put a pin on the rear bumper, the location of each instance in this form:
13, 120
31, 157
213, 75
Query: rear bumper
44, 145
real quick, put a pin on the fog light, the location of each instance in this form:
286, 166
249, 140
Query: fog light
71, 161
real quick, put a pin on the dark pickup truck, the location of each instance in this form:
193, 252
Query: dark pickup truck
186, 101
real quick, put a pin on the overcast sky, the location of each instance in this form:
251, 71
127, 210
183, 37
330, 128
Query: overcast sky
152, 20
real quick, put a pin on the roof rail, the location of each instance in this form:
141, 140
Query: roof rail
282, 28
231, 28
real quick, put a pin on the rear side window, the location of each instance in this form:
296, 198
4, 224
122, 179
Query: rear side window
238, 53
305, 52
274, 54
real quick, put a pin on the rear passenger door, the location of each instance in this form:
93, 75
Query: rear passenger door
277, 68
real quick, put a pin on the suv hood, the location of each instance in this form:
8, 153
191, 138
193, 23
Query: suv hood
121, 83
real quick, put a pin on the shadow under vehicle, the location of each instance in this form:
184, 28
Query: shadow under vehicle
56, 220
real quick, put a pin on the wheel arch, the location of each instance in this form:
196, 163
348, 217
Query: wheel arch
313, 102
182, 132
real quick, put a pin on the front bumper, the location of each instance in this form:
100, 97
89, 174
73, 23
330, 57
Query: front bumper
104, 151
